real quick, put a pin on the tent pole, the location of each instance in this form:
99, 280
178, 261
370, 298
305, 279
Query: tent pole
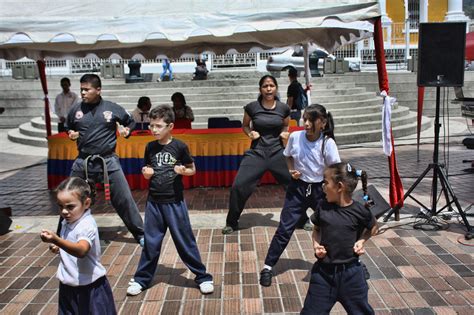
44, 84
307, 71
395, 186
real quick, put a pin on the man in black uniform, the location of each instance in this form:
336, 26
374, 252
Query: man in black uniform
93, 123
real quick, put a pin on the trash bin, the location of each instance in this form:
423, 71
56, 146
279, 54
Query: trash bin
107, 70
313, 65
118, 70
339, 65
17, 72
413, 64
29, 71
329, 65
345, 66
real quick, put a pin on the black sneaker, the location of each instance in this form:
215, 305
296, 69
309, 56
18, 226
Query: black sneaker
228, 229
266, 277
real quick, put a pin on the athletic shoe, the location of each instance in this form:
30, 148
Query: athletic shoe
228, 229
266, 277
206, 287
134, 288
308, 226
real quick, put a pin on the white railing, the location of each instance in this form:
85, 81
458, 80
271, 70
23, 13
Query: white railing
234, 60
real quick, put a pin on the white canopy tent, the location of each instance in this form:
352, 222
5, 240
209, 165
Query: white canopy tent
42, 28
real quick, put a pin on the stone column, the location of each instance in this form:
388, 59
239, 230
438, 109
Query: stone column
423, 11
455, 12
386, 23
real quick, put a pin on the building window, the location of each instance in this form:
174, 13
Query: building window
414, 13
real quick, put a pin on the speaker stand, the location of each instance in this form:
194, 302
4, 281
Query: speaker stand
438, 173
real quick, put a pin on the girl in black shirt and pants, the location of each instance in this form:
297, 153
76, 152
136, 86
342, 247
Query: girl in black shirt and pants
341, 227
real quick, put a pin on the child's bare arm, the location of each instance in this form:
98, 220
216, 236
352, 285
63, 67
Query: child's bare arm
185, 170
319, 250
359, 245
79, 249
290, 162
147, 171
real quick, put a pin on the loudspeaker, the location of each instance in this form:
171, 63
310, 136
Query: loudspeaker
377, 204
5, 221
441, 48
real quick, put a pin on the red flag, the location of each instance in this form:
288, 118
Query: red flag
395, 186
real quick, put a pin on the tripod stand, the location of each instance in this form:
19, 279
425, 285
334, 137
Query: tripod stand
438, 173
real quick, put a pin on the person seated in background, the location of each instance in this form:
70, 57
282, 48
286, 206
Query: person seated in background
181, 110
140, 114
200, 72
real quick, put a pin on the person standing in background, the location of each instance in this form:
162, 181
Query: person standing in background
166, 63
64, 102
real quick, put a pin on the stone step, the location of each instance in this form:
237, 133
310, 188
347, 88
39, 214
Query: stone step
370, 122
371, 114
236, 112
12, 122
15, 136
28, 129
345, 134
344, 89
129, 102
33, 94
376, 135
226, 103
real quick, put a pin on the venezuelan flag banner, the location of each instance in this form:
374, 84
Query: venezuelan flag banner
217, 154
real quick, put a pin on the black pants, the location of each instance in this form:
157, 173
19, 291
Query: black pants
337, 283
121, 199
299, 197
254, 164
95, 298
61, 127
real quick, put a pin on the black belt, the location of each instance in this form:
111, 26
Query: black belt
106, 155
333, 268
106, 173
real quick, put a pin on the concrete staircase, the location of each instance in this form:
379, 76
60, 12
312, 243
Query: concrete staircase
356, 112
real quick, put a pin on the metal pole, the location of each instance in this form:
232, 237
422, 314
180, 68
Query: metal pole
407, 32
307, 72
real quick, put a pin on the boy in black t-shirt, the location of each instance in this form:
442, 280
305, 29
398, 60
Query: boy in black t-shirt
166, 161
341, 227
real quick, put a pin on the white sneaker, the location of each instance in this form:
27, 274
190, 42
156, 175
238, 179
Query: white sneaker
131, 281
206, 287
134, 289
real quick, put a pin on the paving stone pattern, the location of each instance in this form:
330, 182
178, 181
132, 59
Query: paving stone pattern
412, 271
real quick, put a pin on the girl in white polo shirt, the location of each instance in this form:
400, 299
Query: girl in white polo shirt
307, 153
83, 287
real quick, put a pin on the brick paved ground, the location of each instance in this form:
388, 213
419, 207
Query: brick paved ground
412, 271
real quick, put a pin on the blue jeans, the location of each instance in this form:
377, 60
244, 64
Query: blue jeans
167, 68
